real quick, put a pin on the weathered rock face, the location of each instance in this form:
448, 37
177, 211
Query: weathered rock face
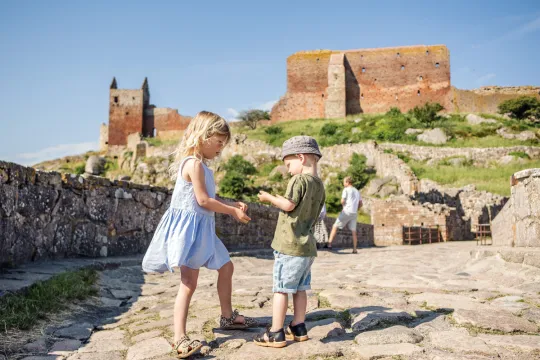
94, 165
518, 224
473, 119
433, 136
46, 215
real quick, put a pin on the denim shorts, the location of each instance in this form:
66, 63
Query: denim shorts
345, 219
292, 273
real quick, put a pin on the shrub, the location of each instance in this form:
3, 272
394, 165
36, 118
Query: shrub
238, 164
521, 108
79, 169
394, 111
427, 114
328, 129
273, 130
252, 117
232, 185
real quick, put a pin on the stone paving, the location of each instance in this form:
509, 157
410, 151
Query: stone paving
421, 302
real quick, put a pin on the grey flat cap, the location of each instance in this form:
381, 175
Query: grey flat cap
300, 145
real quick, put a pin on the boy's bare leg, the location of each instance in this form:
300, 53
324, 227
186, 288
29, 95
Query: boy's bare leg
300, 305
354, 240
279, 310
332, 236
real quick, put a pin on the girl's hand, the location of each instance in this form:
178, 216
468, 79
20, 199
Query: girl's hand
241, 206
241, 216
263, 196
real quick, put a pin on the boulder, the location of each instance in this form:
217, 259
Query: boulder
95, 165
473, 119
412, 131
433, 136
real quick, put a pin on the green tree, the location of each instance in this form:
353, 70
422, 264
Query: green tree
521, 108
252, 117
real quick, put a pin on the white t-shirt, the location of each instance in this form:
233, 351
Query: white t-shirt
352, 198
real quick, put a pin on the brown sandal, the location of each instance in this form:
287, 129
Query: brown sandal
186, 347
229, 324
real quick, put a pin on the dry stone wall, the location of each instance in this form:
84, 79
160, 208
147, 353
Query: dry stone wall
47, 215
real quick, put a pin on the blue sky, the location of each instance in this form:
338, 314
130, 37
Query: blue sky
58, 58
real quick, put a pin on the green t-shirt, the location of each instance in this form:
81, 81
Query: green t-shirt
294, 230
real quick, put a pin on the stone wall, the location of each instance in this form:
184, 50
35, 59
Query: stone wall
375, 80
47, 215
391, 215
479, 155
519, 222
488, 98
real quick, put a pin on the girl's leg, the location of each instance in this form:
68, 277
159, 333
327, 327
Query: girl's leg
224, 288
183, 298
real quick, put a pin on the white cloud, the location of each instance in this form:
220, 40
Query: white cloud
484, 78
233, 114
517, 33
54, 152
267, 106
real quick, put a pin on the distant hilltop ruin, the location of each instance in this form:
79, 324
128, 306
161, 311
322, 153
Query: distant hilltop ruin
130, 112
333, 84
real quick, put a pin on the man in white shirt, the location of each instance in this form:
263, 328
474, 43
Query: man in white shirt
351, 201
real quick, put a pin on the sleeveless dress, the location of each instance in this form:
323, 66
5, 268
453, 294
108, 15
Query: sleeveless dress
186, 234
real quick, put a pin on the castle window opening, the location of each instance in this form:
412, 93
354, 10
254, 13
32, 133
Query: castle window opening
361, 96
322, 95
437, 65
427, 52
127, 112
116, 99
402, 67
133, 97
397, 55
363, 69
420, 78
154, 132
418, 93
396, 97
317, 59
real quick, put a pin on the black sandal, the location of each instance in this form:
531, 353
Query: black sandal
229, 324
186, 347
275, 339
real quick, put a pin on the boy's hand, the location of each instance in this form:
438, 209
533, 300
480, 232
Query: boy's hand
241, 216
264, 196
241, 206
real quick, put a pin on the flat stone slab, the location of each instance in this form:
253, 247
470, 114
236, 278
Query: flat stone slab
369, 352
100, 346
65, 347
494, 319
324, 328
97, 356
392, 335
148, 349
445, 301
513, 304
107, 335
146, 335
367, 320
77, 331
519, 342
459, 340
110, 302
44, 357
38, 346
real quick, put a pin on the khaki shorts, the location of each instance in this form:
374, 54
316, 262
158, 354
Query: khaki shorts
345, 219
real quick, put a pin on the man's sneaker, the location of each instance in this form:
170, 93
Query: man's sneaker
275, 339
297, 332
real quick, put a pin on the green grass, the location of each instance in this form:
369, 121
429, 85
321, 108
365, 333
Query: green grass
160, 142
323, 302
494, 179
385, 128
21, 311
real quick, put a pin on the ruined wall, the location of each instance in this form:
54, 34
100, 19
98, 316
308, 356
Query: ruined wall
126, 112
375, 80
478, 155
521, 216
169, 124
103, 137
47, 215
389, 216
487, 99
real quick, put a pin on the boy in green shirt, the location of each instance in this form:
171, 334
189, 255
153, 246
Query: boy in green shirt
294, 244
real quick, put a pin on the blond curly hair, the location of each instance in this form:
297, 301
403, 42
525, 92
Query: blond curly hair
201, 128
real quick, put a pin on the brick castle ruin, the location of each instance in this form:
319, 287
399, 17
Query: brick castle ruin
130, 112
333, 84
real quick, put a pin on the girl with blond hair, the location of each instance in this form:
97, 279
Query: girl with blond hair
186, 236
